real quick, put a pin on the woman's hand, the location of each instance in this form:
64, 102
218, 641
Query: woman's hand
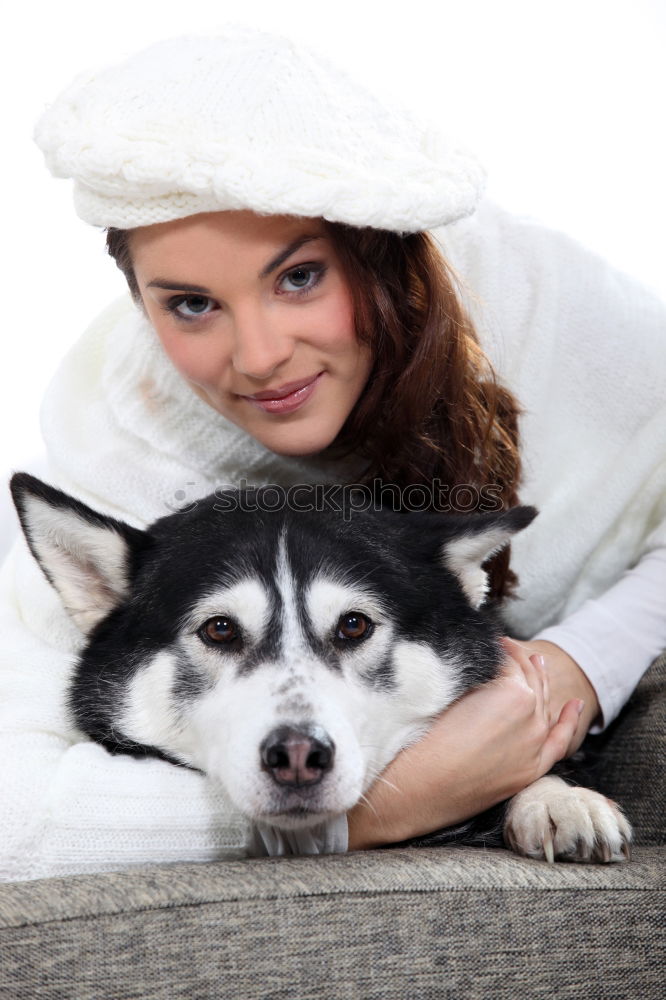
484, 748
566, 680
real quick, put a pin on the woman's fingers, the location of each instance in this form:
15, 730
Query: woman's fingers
546, 687
538, 681
544, 706
562, 733
533, 674
559, 732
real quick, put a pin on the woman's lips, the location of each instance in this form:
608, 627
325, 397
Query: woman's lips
286, 398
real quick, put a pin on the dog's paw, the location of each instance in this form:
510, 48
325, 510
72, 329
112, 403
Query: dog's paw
552, 820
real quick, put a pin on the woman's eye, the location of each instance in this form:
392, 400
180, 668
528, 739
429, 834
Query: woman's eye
353, 626
304, 278
298, 281
220, 630
190, 306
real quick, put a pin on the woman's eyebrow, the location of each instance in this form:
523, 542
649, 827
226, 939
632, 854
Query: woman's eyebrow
182, 286
272, 265
287, 252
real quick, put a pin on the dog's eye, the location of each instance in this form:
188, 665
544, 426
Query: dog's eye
353, 625
220, 630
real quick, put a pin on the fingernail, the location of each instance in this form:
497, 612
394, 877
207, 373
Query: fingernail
541, 660
580, 706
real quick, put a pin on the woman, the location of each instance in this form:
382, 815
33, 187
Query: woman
293, 318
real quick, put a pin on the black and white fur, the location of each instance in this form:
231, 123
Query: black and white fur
290, 655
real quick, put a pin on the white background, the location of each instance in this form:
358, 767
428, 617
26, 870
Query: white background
562, 99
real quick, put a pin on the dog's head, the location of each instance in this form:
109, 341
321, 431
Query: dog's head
288, 654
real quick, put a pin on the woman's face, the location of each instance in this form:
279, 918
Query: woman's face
256, 314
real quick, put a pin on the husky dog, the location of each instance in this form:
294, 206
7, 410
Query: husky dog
291, 654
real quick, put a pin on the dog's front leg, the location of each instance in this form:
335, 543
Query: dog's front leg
556, 821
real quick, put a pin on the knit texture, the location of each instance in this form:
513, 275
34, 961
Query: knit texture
248, 120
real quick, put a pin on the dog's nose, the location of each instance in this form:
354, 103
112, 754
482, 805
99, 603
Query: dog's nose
296, 756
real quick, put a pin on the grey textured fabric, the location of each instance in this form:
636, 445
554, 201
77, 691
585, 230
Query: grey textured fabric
397, 924
457, 922
632, 754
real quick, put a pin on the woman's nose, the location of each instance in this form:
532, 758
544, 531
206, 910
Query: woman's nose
260, 348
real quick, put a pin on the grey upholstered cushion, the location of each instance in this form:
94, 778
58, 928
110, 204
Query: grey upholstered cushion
398, 924
380, 925
632, 754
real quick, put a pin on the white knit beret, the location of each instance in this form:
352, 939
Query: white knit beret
245, 119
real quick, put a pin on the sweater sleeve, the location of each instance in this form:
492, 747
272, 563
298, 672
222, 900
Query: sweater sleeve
615, 637
68, 805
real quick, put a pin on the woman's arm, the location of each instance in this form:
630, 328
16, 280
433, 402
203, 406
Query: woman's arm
600, 652
484, 748
605, 647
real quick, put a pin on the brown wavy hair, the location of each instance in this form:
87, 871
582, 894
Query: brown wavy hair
432, 408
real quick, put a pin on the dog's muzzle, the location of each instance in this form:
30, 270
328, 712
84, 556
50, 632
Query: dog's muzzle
297, 756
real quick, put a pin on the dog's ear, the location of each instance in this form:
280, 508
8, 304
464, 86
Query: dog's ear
85, 555
474, 539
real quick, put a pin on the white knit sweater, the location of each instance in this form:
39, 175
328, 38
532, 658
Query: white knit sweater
584, 349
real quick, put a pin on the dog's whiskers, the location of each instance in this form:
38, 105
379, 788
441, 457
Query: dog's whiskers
366, 801
387, 782
378, 776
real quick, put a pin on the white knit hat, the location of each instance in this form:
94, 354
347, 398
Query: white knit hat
248, 120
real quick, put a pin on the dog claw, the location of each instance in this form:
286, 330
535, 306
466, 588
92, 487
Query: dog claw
550, 819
